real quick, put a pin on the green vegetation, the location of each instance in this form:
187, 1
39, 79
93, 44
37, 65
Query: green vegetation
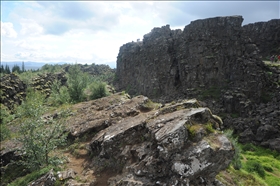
15, 69
5, 118
193, 129
30, 177
97, 90
77, 82
149, 105
236, 162
59, 94
42, 136
209, 128
39, 137
260, 166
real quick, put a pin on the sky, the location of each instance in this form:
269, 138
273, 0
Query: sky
93, 31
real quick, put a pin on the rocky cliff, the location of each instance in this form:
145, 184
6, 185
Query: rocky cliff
214, 59
266, 35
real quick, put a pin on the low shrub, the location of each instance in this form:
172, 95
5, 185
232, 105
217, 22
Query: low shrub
97, 90
255, 166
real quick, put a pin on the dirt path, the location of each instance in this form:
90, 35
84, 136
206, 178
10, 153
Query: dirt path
77, 163
78, 160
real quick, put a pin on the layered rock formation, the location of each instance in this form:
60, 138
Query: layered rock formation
166, 146
214, 59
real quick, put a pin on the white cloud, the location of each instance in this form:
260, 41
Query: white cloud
30, 27
7, 30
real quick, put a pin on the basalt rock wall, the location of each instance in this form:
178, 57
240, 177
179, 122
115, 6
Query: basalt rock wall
208, 53
266, 35
214, 60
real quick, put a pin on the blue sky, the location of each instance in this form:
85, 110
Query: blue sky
92, 32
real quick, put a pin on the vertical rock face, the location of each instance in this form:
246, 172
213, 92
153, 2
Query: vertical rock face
209, 52
150, 66
266, 35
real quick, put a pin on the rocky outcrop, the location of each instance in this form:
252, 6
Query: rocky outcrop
170, 145
46, 180
44, 82
213, 59
13, 90
145, 143
266, 35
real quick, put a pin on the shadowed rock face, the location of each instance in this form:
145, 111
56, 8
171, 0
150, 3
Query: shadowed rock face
212, 52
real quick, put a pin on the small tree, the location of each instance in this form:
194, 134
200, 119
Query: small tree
7, 69
77, 82
39, 137
16, 68
22, 67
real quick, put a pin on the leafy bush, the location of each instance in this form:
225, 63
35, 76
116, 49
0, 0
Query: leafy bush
32, 106
77, 82
39, 137
27, 76
39, 140
98, 90
59, 94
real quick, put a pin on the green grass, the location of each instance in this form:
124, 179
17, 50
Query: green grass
260, 166
30, 177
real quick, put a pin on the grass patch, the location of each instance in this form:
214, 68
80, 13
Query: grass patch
209, 128
30, 177
148, 105
260, 166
